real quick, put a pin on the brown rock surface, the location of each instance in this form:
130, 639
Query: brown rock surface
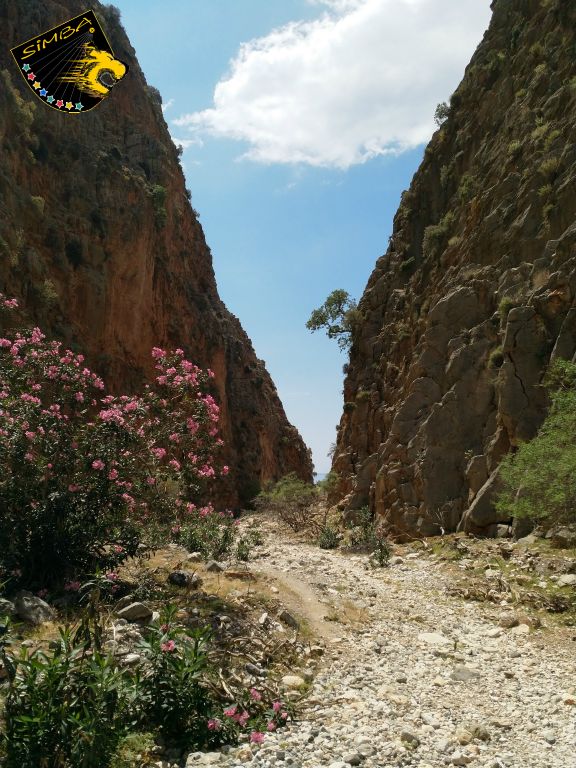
99, 240
475, 294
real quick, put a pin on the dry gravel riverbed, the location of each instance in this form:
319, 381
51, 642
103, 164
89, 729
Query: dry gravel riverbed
412, 676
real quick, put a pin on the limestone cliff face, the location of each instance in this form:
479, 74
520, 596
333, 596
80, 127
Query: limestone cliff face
99, 240
476, 293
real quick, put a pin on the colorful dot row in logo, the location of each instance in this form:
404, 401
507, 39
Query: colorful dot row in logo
49, 98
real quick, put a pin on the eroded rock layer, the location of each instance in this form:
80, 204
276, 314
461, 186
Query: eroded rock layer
99, 240
475, 295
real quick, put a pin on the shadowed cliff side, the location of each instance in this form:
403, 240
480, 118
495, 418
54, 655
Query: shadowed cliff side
475, 295
100, 242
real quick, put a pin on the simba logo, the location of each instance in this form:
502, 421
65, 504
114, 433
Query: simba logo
71, 67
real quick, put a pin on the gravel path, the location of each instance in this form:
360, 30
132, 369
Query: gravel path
415, 677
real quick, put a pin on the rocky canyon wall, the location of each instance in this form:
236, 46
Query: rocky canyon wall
99, 241
475, 294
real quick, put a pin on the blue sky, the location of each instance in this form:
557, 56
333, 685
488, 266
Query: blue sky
302, 122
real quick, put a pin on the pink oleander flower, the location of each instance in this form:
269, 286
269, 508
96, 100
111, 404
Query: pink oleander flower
150, 480
98, 464
113, 474
271, 726
284, 715
159, 452
225, 469
256, 695
73, 488
242, 719
168, 647
174, 464
256, 737
276, 706
112, 576
42, 593
157, 353
72, 586
79, 396
231, 711
214, 724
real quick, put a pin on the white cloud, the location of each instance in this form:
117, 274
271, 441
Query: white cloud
167, 105
360, 81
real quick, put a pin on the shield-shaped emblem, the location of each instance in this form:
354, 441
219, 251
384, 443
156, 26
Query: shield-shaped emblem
72, 67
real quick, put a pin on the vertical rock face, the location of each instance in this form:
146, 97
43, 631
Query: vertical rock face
475, 295
98, 239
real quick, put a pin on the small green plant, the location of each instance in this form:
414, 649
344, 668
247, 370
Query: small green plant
363, 394
467, 187
496, 358
349, 407
549, 168
436, 235
407, 264
328, 538
515, 149
382, 552
158, 193
243, 549
506, 304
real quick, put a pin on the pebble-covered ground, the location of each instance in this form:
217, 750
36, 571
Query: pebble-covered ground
412, 676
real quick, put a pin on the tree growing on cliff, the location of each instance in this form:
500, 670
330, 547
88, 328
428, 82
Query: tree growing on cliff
539, 479
338, 316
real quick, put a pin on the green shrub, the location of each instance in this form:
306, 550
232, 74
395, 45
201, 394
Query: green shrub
207, 531
496, 359
515, 148
291, 499
243, 549
506, 304
328, 538
173, 695
158, 193
65, 709
467, 187
549, 168
436, 235
349, 407
407, 264
539, 480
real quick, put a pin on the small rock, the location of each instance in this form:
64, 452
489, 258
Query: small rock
252, 669
464, 674
492, 573
567, 580
195, 557
508, 620
521, 629
130, 660
135, 612
214, 567
292, 682
264, 620
434, 638
409, 738
288, 619
184, 579
353, 758
7, 608
316, 651
31, 608
549, 737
